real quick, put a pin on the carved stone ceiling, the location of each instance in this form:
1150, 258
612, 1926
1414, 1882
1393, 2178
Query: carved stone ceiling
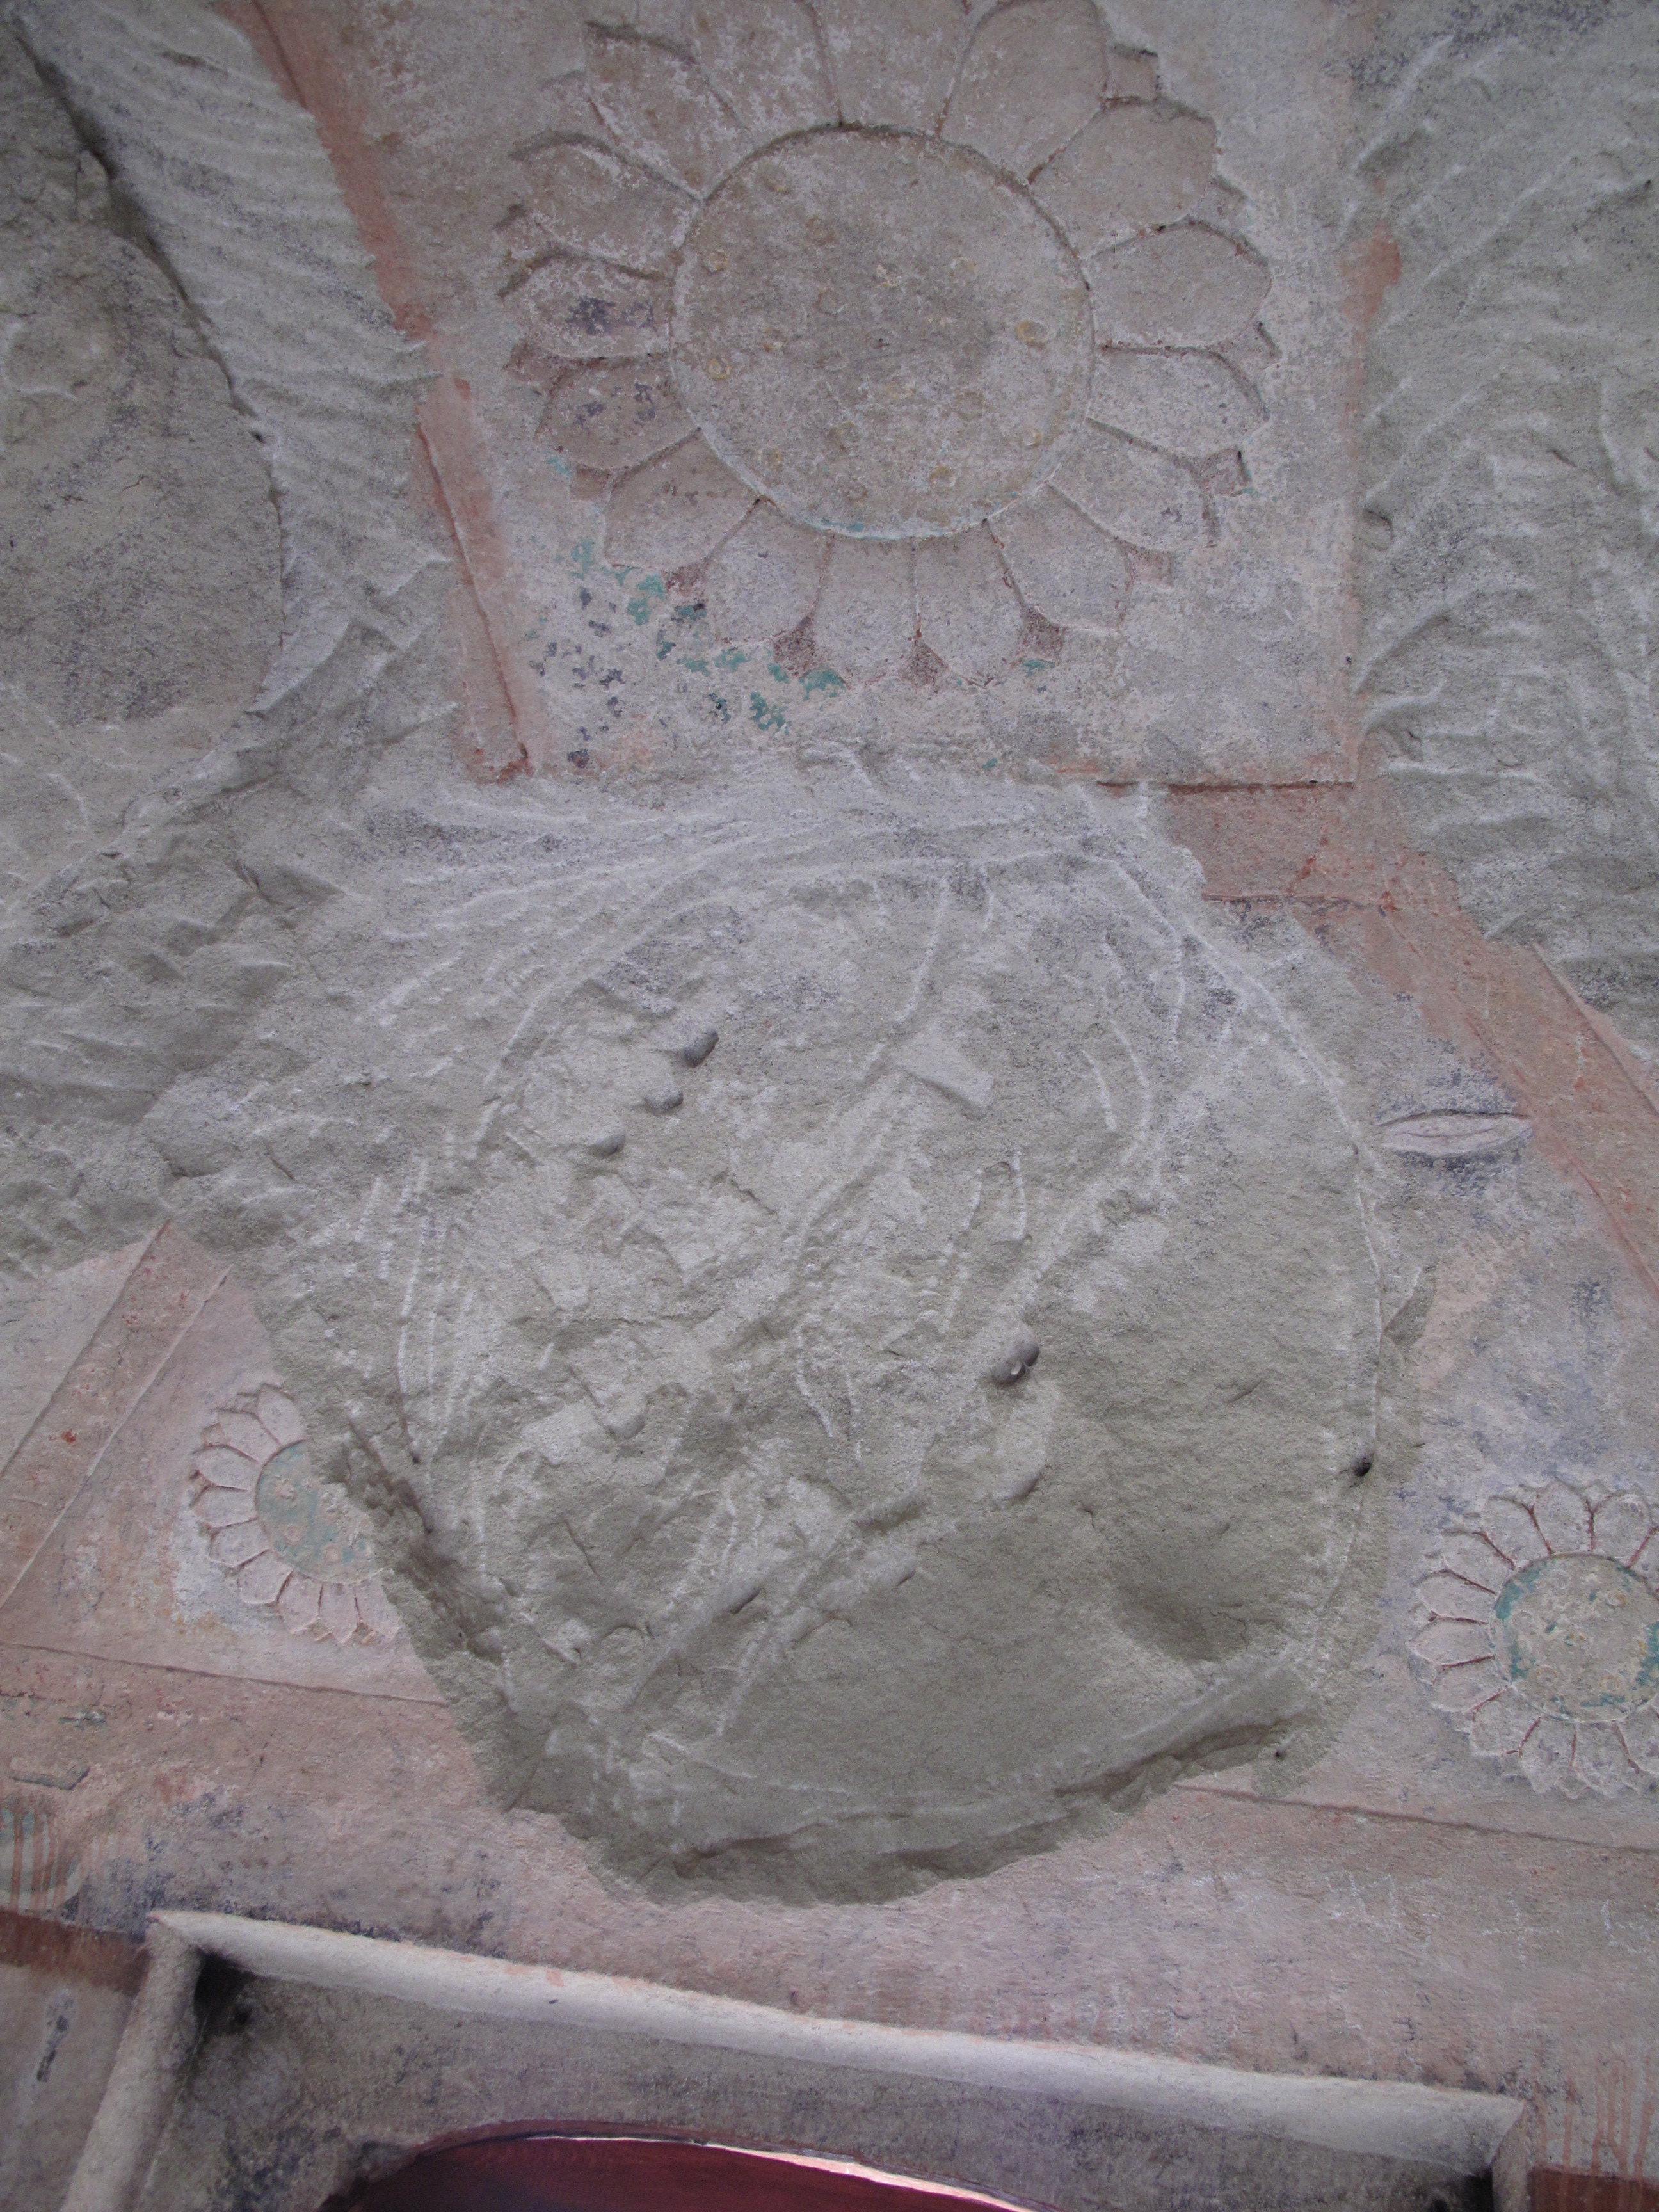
829, 932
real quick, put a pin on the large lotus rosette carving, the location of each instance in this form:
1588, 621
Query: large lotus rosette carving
903, 339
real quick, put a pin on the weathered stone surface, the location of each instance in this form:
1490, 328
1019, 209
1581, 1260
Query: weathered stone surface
341, 1011
142, 572
710, 1453
1511, 500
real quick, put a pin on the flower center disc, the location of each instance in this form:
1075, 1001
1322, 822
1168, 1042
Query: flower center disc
307, 1524
1580, 1636
884, 335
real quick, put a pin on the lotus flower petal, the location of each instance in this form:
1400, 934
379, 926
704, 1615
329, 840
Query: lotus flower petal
1620, 1526
1449, 1597
1641, 1732
662, 107
1546, 1754
1476, 1560
589, 202
616, 414
1461, 1689
1502, 1725
376, 1611
893, 59
764, 580
1131, 168
336, 1610
278, 1412
1185, 287
222, 1509
1133, 493
1065, 567
234, 1546
1032, 79
298, 1603
1599, 1758
586, 311
260, 1582
674, 511
225, 1469
1186, 403
866, 618
1512, 1529
1453, 1642
971, 614
1563, 1518
246, 1435
762, 55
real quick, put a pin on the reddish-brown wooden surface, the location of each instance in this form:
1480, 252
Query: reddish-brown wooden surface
534, 2172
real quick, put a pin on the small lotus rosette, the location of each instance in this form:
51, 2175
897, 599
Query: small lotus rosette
1539, 1629
287, 1540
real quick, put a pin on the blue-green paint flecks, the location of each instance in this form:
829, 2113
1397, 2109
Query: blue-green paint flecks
766, 713
648, 596
306, 1522
1578, 1635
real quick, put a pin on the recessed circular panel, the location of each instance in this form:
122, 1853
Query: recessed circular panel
883, 334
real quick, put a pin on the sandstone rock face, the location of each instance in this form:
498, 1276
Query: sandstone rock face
1510, 532
140, 594
143, 568
879, 1307
851, 1298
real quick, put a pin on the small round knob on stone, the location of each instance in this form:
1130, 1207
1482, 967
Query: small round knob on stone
1021, 1355
697, 1048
